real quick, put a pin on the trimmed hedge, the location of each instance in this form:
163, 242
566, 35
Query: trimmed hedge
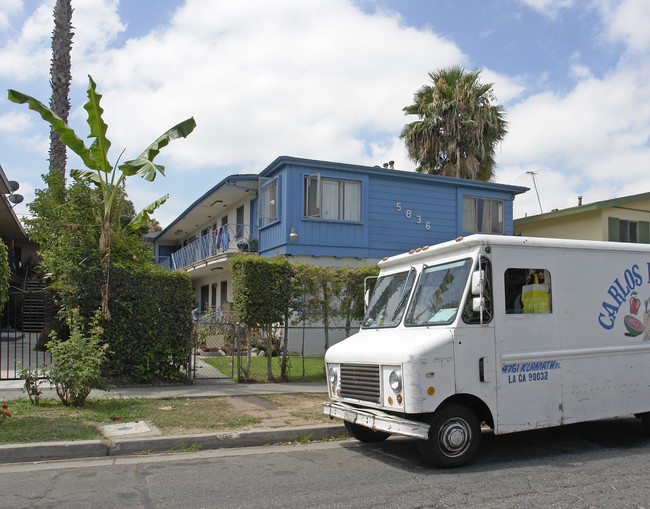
150, 331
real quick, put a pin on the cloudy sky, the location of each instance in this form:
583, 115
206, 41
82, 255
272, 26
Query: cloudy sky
327, 79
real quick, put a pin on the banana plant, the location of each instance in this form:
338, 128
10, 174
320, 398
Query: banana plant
99, 171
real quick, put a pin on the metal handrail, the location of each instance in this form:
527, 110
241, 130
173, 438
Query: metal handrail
230, 238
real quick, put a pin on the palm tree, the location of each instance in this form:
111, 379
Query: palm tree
458, 126
60, 77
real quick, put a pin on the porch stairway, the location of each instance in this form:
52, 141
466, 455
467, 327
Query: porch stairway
34, 305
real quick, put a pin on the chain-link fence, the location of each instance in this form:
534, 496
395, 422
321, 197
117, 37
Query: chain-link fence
228, 350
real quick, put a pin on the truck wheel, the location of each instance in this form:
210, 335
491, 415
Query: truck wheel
454, 437
363, 434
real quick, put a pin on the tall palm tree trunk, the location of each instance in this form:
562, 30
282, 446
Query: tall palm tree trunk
60, 77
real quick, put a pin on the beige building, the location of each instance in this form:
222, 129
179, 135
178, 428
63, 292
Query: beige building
625, 219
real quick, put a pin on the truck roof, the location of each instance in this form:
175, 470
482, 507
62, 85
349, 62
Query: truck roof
470, 242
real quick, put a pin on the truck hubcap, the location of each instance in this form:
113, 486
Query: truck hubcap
454, 437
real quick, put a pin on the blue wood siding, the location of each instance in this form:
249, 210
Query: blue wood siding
396, 208
394, 231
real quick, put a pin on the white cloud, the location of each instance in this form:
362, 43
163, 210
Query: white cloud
598, 134
628, 21
26, 54
267, 78
96, 25
15, 121
7, 9
506, 88
549, 7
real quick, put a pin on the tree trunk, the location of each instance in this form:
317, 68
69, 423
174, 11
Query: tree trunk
105, 259
283, 367
269, 353
60, 77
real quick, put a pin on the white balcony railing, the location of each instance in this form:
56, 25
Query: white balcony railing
230, 238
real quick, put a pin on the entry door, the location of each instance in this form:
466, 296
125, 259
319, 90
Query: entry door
474, 351
223, 294
529, 378
205, 298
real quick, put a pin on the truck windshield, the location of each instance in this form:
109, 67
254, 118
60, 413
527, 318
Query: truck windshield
389, 299
439, 294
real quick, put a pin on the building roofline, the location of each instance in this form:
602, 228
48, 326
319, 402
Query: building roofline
230, 178
286, 160
581, 209
412, 175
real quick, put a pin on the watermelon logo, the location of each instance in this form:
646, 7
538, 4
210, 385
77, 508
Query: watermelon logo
633, 325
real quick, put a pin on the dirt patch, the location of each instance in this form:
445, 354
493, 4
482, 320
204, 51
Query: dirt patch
308, 407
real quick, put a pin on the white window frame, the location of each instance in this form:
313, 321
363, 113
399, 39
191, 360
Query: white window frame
268, 200
490, 224
316, 193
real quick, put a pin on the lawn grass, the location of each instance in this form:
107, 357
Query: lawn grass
314, 368
51, 421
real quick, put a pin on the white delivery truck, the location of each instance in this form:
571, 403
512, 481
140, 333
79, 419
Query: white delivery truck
513, 332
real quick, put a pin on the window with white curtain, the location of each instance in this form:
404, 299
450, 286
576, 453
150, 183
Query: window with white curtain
483, 215
334, 199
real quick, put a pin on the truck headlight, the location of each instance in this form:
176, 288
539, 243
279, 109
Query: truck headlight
395, 380
333, 375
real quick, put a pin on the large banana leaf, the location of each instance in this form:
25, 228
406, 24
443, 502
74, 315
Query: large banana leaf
143, 165
144, 216
98, 128
68, 136
91, 175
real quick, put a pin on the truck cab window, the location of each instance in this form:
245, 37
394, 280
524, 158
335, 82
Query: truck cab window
389, 299
439, 294
528, 291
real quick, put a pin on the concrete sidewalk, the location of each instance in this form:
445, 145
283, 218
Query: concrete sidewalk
276, 426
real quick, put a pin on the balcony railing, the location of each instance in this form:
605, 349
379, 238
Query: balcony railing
231, 238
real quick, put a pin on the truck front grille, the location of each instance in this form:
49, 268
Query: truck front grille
360, 381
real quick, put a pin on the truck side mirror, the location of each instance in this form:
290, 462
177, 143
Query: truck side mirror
478, 277
366, 298
478, 304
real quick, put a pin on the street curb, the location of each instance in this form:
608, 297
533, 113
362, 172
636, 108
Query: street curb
49, 451
46, 451
222, 440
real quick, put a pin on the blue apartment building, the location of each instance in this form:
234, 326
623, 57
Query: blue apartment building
324, 213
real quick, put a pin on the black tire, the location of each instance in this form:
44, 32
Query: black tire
645, 423
363, 434
454, 437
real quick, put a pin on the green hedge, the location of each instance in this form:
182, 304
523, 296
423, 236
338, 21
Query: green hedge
150, 331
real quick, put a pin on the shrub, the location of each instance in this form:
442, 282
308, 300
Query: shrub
30, 376
150, 331
77, 362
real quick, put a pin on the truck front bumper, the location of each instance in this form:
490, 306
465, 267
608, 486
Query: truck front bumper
377, 420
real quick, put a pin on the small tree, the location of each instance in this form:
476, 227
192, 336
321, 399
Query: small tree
304, 303
77, 363
108, 179
329, 285
258, 289
352, 292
